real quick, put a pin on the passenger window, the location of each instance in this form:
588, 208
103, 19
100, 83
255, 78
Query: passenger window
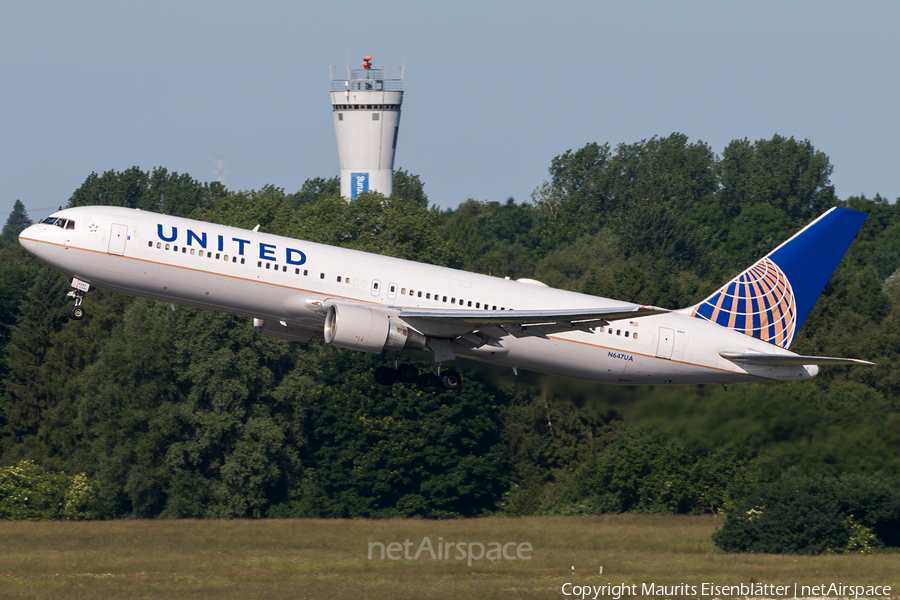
175, 248
618, 331
305, 272
259, 264
321, 275
284, 269
445, 298
420, 294
635, 335
495, 307
217, 256
234, 259
402, 291
226, 258
428, 296
610, 330
626, 333
242, 261
167, 246
478, 305
158, 245
339, 279
184, 249
297, 271
470, 303
192, 251
149, 244
268, 265
452, 300
201, 254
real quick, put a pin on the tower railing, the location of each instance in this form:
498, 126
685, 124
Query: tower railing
367, 80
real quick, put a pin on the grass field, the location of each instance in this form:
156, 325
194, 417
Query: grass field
329, 559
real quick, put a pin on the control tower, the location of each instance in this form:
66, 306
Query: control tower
366, 119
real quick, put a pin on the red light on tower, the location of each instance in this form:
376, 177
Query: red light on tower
367, 62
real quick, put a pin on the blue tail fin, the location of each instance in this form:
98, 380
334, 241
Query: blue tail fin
771, 299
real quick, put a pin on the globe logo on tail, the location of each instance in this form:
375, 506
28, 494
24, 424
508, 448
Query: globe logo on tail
759, 302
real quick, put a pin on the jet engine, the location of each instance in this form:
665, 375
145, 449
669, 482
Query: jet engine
361, 328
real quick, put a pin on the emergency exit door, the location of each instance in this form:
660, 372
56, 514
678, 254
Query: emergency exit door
118, 235
666, 343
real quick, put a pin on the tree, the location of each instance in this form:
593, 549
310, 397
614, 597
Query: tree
16, 223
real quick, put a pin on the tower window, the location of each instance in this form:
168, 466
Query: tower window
374, 116
340, 116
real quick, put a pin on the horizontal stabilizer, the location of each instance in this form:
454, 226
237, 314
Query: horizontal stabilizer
775, 360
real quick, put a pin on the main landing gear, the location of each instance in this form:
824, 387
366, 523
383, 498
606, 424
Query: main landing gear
430, 382
81, 287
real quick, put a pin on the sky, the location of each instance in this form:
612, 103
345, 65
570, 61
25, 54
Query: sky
493, 90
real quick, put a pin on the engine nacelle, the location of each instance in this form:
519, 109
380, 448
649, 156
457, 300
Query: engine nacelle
361, 328
285, 332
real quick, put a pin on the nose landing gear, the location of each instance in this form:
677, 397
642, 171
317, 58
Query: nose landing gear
77, 312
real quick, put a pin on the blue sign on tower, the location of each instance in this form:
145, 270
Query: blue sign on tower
359, 183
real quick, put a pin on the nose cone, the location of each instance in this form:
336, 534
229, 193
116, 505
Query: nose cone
29, 238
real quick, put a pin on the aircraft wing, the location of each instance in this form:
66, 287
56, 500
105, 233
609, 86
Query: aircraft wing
775, 360
496, 324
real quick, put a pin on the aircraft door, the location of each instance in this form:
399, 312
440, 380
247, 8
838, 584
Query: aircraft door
118, 235
392, 291
666, 343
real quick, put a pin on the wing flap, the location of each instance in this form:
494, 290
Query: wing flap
774, 360
448, 323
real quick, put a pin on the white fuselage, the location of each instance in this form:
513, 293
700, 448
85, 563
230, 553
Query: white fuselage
280, 279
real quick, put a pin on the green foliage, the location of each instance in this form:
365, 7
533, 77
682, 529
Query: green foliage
16, 223
397, 452
189, 414
31, 493
812, 515
642, 472
158, 191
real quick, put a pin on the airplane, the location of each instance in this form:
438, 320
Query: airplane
298, 290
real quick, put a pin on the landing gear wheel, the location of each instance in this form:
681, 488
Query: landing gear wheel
428, 382
385, 376
76, 312
451, 380
407, 373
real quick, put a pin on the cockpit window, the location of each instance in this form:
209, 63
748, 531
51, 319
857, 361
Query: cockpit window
63, 223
